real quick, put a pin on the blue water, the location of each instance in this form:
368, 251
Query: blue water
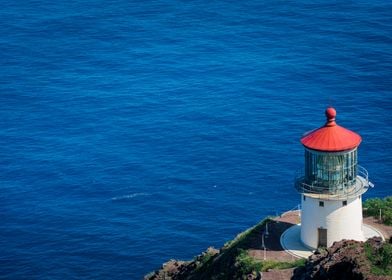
132, 132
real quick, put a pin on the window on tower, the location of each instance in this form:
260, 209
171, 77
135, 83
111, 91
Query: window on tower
344, 202
321, 203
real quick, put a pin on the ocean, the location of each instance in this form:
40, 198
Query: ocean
133, 132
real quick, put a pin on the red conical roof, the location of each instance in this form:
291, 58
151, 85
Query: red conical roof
331, 137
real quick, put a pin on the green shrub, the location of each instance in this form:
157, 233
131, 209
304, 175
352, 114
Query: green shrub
386, 256
247, 264
381, 259
204, 258
373, 205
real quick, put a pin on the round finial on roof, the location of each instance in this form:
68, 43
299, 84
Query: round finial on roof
330, 113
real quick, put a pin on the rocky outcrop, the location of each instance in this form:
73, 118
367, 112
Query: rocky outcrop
178, 270
345, 259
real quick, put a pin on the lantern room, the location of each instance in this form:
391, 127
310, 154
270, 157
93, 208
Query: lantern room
331, 161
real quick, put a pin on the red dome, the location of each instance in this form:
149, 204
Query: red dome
331, 137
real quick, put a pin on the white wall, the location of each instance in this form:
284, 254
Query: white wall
341, 222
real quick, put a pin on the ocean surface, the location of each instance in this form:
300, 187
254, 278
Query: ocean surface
132, 132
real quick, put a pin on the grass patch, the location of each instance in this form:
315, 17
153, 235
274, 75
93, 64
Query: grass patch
283, 265
247, 264
380, 258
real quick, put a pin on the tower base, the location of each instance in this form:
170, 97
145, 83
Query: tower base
325, 221
291, 242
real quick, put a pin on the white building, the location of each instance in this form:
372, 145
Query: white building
331, 185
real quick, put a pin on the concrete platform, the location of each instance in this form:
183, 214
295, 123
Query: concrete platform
291, 243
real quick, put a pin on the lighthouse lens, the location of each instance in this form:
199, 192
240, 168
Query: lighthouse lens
331, 172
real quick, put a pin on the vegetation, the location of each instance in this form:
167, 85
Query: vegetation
248, 265
204, 258
222, 265
372, 207
380, 258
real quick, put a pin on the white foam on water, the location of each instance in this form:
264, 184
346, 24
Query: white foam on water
129, 196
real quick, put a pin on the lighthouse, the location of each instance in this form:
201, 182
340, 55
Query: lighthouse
331, 185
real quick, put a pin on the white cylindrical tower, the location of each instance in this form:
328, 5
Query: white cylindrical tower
331, 185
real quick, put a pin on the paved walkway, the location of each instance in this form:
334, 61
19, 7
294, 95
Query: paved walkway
291, 242
273, 248
384, 229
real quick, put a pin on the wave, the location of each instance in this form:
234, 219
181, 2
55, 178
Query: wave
130, 196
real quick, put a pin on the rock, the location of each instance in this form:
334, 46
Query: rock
345, 259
